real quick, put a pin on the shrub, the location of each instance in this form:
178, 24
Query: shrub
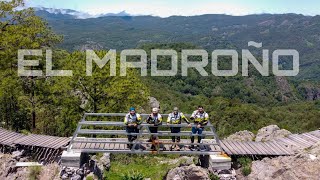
90, 178
34, 172
246, 165
132, 176
246, 170
213, 177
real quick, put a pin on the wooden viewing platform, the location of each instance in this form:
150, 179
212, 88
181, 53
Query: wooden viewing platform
113, 140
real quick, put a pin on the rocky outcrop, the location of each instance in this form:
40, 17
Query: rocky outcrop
284, 89
314, 150
74, 173
153, 102
225, 174
9, 171
271, 132
303, 166
103, 162
89, 45
50, 170
241, 136
191, 172
310, 92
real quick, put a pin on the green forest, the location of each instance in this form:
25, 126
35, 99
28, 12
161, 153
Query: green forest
54, 105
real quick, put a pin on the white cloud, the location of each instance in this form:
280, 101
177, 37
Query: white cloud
157, 8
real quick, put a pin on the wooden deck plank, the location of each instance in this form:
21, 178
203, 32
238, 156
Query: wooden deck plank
245, 148
2, 132
258, 148
300, 140
62, 143
225, 148
58, 142
231, 148
9, 138
253, 149
289, 142
106, 146
267, 150
112, 146
315, 133
285, 148
83, 145
32, 140
272, 149
42, 141
122, 146
6, 137
236, 148
310, 136
101, 146
278, 149
249, 148
97, 145
54, 142
3, 136
25, 141
91, 145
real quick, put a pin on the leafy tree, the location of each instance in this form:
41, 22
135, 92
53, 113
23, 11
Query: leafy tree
105, 93
20, 29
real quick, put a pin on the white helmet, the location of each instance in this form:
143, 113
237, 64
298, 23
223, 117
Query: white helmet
155, 110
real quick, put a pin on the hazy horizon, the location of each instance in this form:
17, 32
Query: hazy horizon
166, 8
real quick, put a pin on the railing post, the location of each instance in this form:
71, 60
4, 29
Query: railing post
215, 135
75, 134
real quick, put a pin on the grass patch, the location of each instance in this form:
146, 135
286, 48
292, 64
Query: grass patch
34, 172
213, 177
132, 176
246, 165
126, 166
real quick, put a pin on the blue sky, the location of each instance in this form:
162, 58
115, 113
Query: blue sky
166, 8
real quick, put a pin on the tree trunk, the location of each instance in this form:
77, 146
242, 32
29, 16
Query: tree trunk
33, 111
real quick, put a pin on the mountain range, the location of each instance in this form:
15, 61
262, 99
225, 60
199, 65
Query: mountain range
122, 31
52, 13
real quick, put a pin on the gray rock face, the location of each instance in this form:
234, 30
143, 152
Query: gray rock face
191, 172
305, 165
76, 177
104, 162
154, 103
284, 168
9, 171
17, 155
271, 132
241, 136
284, 88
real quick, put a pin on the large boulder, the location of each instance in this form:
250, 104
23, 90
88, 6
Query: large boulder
241, 136
50, 171
271, 132
305, 165
153, 102
191, 172
103, 162
287, 167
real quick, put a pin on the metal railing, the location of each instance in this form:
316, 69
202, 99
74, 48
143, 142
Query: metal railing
139, 145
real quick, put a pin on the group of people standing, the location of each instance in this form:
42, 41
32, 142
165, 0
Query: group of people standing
199, 117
